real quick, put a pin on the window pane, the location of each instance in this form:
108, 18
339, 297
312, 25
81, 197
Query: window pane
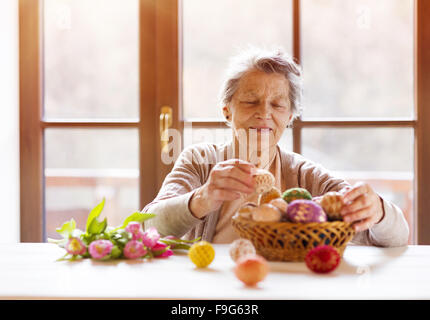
382, 157
213, 31
357, 58
83, 166
91, 59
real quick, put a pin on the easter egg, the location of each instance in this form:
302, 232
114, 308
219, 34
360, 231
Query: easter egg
322, 259
267, 196
295, 194
280, 203
201, 254
246, 211
332, 203
241, 247
305, 211
264, 180
266, 213
251, 269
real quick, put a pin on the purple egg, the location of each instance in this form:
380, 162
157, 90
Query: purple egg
305, 211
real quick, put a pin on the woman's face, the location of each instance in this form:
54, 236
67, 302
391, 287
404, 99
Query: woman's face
261, 105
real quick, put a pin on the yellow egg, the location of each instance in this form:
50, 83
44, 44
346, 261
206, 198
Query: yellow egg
201, 254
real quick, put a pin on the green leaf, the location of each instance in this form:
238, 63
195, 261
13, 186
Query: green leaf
94, 214
191, 241
65, 257
97, 227
67, 228
179, 243
136, 216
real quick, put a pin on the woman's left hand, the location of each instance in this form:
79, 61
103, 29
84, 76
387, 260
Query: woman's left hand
362, 207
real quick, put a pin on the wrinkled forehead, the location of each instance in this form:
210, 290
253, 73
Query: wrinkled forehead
257, 83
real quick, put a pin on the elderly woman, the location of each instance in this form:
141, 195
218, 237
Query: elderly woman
210, 182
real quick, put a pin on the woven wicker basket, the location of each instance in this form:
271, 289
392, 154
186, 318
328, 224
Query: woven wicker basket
287, 241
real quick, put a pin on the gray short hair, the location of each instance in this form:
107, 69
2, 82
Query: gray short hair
268, 61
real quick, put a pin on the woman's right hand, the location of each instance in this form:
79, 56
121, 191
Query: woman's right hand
227, 181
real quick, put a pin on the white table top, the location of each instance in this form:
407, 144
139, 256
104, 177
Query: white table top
30, 271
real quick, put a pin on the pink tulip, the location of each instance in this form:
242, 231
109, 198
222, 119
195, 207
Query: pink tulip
166, 254
150, 237
134, 249
133, 227
100, 248
161, 250
75, 246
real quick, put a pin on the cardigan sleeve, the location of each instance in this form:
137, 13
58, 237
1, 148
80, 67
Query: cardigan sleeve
171, 205
391, 231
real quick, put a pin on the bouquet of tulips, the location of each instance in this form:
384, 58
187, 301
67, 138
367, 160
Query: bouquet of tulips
129, 240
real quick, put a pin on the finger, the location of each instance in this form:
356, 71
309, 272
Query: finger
232, 184
237, 174
363, 201
359, 189
344, 190
225, 195
358, 215
241, 164
363, 225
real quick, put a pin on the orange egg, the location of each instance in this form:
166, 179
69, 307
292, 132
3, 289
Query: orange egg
251, 269
267, 196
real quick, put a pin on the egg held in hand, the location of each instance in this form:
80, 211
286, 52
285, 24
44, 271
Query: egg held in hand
251, 269
264, 180
332, 203
241, 247
305, 211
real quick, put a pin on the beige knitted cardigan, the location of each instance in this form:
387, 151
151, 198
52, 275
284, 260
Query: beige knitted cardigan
192, 168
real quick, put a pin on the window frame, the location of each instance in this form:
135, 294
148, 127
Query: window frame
158, 19
160, 60
420, 124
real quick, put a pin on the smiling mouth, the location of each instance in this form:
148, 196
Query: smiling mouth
260, 129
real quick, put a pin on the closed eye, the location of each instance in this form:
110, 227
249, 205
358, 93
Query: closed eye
249, 102
278, 106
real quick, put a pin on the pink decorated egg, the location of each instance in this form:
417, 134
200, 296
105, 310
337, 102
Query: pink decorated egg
305, 211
